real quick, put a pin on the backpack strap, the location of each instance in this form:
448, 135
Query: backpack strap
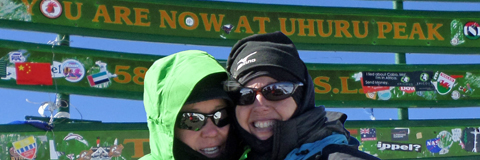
309, 149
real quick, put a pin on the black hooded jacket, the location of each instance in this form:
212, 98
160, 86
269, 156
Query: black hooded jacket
275, 55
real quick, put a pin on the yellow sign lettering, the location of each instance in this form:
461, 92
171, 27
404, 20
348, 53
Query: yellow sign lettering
243, 23
320, 28
310, 26
356, 29
344, 83
383, 27
341, 26
122, 13
261, 23
29, 6
321, 82
399, 27
170, 19
417, 30
137, 146
140, 14
433, 31
102, 12
68, 10
213, 20
283, 26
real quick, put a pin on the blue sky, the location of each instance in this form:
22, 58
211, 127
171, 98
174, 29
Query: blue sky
14, 105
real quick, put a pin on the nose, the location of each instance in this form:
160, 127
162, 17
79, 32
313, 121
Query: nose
261, 103
210, 129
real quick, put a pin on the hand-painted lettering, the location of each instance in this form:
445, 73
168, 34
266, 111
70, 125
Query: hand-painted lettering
137, 146
68, 10
321, 82
243, 23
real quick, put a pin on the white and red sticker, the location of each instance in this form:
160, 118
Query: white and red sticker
471, 30
51, 8
408, 89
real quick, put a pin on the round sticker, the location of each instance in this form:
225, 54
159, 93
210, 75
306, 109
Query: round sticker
471, 30
189, 21
73, 70
51, 8
455, 95
384, 95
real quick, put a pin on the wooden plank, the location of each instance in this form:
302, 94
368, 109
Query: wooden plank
223, 23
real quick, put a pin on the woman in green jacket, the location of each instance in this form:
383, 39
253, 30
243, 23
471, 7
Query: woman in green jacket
187, 108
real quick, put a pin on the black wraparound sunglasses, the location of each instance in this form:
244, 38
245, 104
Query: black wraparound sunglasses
195, 121
273, 92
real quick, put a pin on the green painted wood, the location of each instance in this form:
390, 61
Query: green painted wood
336, 85
380, 138
313, 28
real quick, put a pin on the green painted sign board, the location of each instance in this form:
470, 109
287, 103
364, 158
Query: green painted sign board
223, 23
439, 139
77, 71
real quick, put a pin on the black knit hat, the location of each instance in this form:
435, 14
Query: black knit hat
210, 87
271, 54
261, 51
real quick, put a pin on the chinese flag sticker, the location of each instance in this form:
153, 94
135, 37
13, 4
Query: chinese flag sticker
33, 73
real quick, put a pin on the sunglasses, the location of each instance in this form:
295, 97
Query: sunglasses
195, 121
273, 92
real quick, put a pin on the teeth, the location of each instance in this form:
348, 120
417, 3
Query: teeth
212, 150
264, 124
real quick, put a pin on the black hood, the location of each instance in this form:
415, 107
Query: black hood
275, 55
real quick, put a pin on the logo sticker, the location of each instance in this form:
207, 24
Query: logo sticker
471, 30
100, 77
456, 134
189, 21
405, 79
227, 28
424, 77
456, 30
244, 60
432, 145
51, 8
455, 95
368, 134
56, 69
73, 70
400, 134
17, 56
444, 83
471, 138
398, 146
27, 148
407, 89
445, 141
384, 95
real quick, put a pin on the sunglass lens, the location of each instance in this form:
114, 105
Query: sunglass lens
220, 118
247, 96
192, 121
277, 91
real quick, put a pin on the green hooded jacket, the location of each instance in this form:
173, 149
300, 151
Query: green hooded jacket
168, 83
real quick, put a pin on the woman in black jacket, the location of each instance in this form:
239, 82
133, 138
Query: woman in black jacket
276, 114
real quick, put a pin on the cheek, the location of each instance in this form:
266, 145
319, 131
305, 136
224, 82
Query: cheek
286, 108
224, 131
242, 113
188, 137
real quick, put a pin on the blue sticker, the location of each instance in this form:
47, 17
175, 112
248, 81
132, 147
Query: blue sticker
432, 145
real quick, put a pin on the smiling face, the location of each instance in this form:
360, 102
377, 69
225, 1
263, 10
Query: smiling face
210, 140
258, 118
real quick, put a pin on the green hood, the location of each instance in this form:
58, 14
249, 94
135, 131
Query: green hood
168, 83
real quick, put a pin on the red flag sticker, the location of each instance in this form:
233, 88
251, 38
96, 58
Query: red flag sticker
33, 73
